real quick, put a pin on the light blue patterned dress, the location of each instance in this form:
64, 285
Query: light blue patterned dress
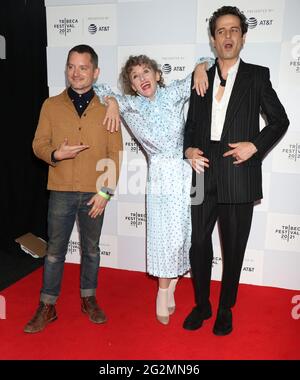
158, 125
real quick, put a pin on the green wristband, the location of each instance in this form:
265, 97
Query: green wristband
104, 195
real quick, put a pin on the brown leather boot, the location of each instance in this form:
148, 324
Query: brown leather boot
89, 305
45, 313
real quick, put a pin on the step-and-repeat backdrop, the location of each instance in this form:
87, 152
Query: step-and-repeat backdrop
175, 33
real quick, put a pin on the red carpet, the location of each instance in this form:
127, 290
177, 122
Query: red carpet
263, 325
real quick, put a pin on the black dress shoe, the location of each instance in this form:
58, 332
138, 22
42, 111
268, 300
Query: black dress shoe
223, 324
196, 317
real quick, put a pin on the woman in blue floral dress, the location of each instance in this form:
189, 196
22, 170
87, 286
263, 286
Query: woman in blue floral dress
154, 113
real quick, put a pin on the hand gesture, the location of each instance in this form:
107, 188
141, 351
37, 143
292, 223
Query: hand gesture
66, 151
241, 151
196, 159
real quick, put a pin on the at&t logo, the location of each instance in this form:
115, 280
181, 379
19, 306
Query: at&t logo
93, 28
166, 68
105, 253
253, 22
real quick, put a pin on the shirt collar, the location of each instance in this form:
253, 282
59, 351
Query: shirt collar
86, 97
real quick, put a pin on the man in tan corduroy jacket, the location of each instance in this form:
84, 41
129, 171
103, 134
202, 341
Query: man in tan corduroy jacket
84, 159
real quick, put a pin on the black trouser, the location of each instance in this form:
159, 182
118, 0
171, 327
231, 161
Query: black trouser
235, 223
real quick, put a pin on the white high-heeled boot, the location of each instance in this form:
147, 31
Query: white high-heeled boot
171, 299
162, 312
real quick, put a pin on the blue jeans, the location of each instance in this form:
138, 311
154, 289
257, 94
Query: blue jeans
64, 208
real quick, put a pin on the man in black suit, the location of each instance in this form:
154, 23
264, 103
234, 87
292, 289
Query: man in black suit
223, 139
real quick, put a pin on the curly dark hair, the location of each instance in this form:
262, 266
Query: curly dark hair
227, 10
137, 60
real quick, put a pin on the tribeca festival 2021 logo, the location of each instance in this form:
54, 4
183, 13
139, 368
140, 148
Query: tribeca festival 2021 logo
133, 146
288, 232
66, 25
2, 308
136, 219
295, 62
292, 151
73, 247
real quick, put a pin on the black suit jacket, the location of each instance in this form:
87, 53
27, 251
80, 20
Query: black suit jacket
252, 94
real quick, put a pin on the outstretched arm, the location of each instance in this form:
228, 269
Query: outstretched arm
181, 89
103, 90
117, 105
